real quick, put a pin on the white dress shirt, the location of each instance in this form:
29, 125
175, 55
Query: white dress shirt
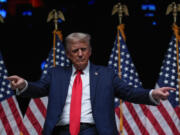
86, 109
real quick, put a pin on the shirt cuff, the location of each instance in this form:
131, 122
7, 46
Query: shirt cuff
157, 102
18, 91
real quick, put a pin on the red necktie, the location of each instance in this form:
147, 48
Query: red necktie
75, 108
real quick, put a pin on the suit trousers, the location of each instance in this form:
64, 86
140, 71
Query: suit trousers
84, 130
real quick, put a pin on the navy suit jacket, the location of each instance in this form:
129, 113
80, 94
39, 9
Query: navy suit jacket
104, 86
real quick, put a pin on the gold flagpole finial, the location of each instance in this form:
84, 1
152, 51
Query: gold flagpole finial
55, 15
174, 8
120, 9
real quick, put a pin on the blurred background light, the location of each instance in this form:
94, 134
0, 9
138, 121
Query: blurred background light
27, 13
3, 13
91, 2
150, 7
149, 14
3, 0
43, 65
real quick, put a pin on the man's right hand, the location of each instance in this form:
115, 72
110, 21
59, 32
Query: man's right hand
16, 82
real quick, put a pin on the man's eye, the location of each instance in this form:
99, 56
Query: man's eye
74, 51
83, 49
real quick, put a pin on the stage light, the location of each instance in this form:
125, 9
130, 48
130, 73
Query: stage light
60, 21
3, 13
154, 23
152, 7
91, 2
144, 7
149, 14
43, 65
3, 0
27, 13
148, 10
149, 7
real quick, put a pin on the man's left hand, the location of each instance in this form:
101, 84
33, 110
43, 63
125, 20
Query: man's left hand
161, 93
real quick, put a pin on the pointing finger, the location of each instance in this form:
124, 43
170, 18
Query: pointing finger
11, 78
168, 88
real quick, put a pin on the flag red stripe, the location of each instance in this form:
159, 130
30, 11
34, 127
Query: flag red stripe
33, 120
117, 111
40, 106
177, 110
17, 116
136, 118
5, 121
152, 119
125, 123
168, 119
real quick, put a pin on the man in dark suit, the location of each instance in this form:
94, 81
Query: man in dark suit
99, 86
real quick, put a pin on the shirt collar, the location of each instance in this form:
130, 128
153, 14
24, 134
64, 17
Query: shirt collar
85, 71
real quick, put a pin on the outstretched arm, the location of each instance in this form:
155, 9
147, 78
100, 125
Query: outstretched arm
28, 89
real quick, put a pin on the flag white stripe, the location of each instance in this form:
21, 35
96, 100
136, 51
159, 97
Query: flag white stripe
172, 113
145, 121
130, 120
44, 101
10, 117
160, 119
38, 115
29, 126
117, 122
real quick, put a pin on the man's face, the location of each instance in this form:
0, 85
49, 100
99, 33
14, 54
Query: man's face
79, 53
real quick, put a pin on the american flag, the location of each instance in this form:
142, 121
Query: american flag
168, 113
36, 112
139, 119
130, 76
11, 120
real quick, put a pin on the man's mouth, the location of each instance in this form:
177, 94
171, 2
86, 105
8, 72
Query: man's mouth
81, 60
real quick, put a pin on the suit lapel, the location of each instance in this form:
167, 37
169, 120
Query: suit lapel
67, 77
93, 82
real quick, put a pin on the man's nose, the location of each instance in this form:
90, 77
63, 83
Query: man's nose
79, 52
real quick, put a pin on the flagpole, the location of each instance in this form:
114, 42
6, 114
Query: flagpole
176, 33
54, 48
119, 73
177, 55
55, 15
120, 9
54, 37
120, 29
